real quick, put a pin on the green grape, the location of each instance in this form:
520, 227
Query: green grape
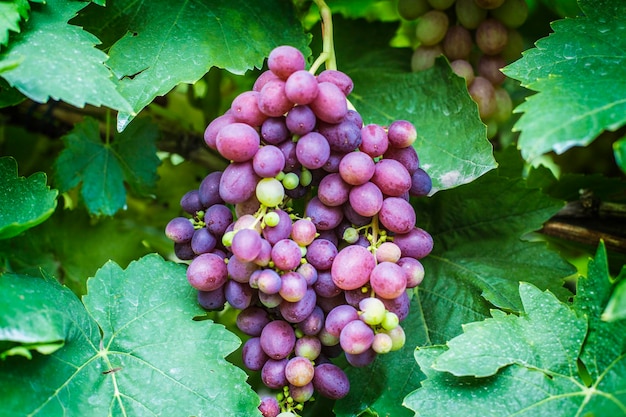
412, 9
469, 14
390, 321
483, 93
441, 4
432, 27
504, 105
382, 343
512, 13
464, 69
291, 181
424, 57
270, 192
271, 219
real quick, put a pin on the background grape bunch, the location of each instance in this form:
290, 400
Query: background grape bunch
479, 37
308, 232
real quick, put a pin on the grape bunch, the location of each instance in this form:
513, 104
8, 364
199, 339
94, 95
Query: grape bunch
479, 37
308, 231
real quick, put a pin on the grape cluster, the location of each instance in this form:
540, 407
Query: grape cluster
479, 37
331, 278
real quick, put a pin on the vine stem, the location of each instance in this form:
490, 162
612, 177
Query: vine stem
327, 56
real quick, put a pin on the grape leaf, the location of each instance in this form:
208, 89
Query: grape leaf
59, 61
578, 72
25, 202
32, 325
478, 257
11, 14
619, 149
102, 168
616, 307
436, 101
577, 369
135, 346
380, 387
157, 45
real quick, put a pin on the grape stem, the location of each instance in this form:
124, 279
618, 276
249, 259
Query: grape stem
327, 56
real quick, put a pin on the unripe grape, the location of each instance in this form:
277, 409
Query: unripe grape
372, 311
483, 93
398, 337
432, 27
441, 4
491, 36
412, 9
463, 69
270, 192
512, 13
469, 14
457, 44
382, 343
424, 57
489, 67
390, 321
488, 4
504, 106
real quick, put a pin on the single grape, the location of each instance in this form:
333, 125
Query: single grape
208, 189
309, 272
269, 407
352, 267
330, 104
286, 254
323, 216
412, 9
356, 337
401, 134
191, 203
391, 177
203, 241
245, 109
390, 320
372, 310
211, 131
491, 36
246, 244
238, 295
183, 251
469, 14
269, 281
356, 168
313, 323
424, 57
303, 232
239, 270
270, 300
270, 192
207, 272
362, 359
330, 381
366, 199
339, 317
388, 280
325, 286
483, 93
406, 156
273, 373
268, 162
382, 343
274, 130
413, 270
421, 183
308, 347
340, 79
293, 286
344, 136
388, 252
398, 337
179, 229
284, 60
463, 69
374, 140
397, 215
238, 182
272, 99
312, 150
288, 148
504, 105
212, 300
238, 142
299, 371
301, 394
301, 87
489, 66
458, 43
300, 120
278, 339
432, 27
263, 79
252, 320
253, 355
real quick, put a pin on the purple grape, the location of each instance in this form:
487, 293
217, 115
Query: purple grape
332, 165
339, 317
421, 183
238, 142
284, 60
211, 131
272, 99
362, 359
268, 161
321, 254
340, 79
246, 245
299, 371
278, 339
328, 303
388, 280
330, 104
352, 267
355, 218
286, 255
190, 202
333, 191
374, 141
209, 189
342, 137
238, 295
269, 407
274, 130
265, 254
355, 118
330, 381
288, 148
354, 297
418, 243
212, 300
180, 230
401, 134
293, 286
397, 215
313, 323
245, 109
295, 312
203, 241
270, 300
207, 272
303, 232
399, 306
301, 120
356, 337
252, 320
323, 216
312, 150
281, 231
325, 286
413, 271
263, 79
301, 87
183, 251
356, 168
238, 182
269, 281
366, 199
239, 270
253, 355
391, 177
273, 373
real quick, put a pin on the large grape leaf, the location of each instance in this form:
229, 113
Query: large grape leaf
579, 72
159, 44
479, 257
59, 61
11, 14
25, 202
104, 167
379, 388
132, 349
575, 370
452, 141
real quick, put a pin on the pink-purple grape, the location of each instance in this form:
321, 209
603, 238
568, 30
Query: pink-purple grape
356, 168
268, 161
356, 337
401, 134
272, 99
273, 373
339, 317
269, 406
374, 141
274, 130
238, 142
413, 271
245, 109
284, 60
299, 371
352, 267
253, 355
333, 190
246, 245
212, 300
331, 381
391, 177
238, 182
303, 232
252, 320
388, 280
293, 287
180, 230
278, 339
312, 150
324, 217
397, 215
330, 103
301, 87
207, 272
286, 254
366, 199
300, 120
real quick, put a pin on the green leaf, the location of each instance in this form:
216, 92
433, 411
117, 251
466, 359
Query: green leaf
578, 72
436, 101
616, 307
380, 387
102, 168
548, 336
554, 359
25, 202
157, 45
27, 321
136, 347
59, 61
619, 149
479, 258
11, 14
